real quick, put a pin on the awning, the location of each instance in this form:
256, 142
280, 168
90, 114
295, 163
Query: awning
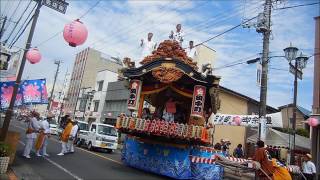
277, 138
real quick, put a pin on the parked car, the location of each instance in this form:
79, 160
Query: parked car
83, 132
53, 127
101, 136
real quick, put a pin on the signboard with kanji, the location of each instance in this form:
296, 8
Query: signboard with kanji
134, 94
199, 95
272, 120
58, 5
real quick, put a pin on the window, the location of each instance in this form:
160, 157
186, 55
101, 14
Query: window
82, 105
96, 106
100, 85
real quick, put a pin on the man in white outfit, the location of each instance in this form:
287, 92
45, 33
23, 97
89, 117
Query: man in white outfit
73, 135
32, 129
147, 46
191, 50
45, 125
178, 35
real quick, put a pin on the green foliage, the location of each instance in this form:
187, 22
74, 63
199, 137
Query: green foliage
5, 150
303, 132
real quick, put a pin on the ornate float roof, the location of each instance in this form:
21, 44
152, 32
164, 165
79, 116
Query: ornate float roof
169, 63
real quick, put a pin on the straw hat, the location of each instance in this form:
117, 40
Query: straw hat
309, 156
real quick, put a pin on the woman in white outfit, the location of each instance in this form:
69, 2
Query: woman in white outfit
33, 128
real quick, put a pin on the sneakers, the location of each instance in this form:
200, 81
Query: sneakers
60, 154
47, 155
38, 154
27, 156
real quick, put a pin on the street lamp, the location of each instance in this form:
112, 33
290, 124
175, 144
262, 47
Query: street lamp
299, 64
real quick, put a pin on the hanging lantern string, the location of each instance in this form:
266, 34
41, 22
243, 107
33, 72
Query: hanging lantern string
56, 34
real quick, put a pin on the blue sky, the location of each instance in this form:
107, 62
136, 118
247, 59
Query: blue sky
116, 27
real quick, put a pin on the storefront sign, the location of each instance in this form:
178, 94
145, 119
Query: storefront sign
78, 114
135, 89
199, 95
272, 120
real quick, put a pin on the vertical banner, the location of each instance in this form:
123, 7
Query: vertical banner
259, 72
199, 95
263, 130
134, 94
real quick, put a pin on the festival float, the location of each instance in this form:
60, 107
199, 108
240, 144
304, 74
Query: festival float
170, 82
179, 146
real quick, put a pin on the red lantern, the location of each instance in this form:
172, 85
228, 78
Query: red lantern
75, 33
33, 56
313, 122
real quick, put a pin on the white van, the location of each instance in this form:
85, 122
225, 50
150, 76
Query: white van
101, 136
82, 133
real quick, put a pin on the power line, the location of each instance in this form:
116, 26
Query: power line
224, 32
18, 37
15, 10
134, 25
18, 21
23, 27
295, 6
57, 33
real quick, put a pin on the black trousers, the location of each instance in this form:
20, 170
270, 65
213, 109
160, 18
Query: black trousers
308, 176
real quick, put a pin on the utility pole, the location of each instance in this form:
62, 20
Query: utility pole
57, 62
264, 27
9, 111
2, 27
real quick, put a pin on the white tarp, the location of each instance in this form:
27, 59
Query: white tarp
272, 120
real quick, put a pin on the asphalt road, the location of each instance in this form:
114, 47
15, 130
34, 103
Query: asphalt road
83, 164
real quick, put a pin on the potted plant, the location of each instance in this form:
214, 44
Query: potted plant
4, 157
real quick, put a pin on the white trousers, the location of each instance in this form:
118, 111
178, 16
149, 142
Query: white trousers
64, 147
43, 149
70, 146
28, 146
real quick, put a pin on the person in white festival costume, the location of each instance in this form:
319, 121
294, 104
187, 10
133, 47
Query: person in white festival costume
178, 35
191, 50
31, 133
46, 128
147, 45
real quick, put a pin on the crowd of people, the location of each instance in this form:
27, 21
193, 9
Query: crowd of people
38, 133
267, 162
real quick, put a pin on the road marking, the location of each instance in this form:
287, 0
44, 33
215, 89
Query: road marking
58, 166
103, 157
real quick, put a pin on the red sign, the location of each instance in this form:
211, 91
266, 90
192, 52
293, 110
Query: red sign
135, 89
199, 95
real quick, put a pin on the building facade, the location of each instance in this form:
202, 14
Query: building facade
87, 64
98, 102
302, 115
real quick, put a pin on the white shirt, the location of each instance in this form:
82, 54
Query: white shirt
74, 130
191, 52
33, 124
308, 167
178, 36
46, 126
147, 47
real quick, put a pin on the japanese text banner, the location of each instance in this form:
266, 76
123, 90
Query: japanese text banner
272, 120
